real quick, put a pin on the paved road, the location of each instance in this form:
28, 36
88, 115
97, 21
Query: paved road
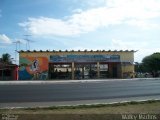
78, 91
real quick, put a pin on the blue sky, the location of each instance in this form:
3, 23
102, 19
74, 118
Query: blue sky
81, 24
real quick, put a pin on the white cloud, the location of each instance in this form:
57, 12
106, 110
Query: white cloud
143, 52
143, 49
142, 24
126, 45
130, 12
77, 10
49, 26
94, 3
5, 39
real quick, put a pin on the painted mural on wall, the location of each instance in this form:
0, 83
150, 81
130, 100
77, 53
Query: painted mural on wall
33, 68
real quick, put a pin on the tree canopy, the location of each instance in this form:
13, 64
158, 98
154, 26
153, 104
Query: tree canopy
6, 58
151, 63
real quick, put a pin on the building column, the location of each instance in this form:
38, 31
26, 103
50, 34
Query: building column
119, 70
110, 70
122, 70
82, 72
98, 72
72, 70
2, 74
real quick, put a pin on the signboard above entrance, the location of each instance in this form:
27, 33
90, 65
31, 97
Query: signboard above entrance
84, 58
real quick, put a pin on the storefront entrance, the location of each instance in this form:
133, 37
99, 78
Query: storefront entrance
85, 71
60, 71
80, 71
83, 66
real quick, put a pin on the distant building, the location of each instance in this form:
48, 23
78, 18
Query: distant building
8, 71
100, 64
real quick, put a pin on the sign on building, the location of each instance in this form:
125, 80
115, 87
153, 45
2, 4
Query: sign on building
84, 58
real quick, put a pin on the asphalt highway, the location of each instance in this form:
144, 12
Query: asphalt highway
78, 91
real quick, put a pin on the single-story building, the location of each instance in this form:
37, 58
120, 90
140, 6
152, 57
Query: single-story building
8, 71
100, 64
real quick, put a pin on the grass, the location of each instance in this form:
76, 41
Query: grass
86, 112
94, 105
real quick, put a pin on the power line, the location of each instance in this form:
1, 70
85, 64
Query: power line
28, 41
18, 42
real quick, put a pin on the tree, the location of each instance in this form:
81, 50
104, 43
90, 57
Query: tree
151, 63
6, 58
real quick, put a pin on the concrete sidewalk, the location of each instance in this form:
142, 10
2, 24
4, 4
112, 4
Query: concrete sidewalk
34, 82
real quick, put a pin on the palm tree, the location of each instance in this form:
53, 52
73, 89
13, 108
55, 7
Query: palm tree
6, 58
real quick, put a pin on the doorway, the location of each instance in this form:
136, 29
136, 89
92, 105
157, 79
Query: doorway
60, 71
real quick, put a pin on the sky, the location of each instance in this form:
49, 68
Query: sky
80, 25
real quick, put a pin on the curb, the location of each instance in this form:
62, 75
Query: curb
70, 81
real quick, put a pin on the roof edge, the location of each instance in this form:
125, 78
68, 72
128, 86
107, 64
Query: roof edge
22, 51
